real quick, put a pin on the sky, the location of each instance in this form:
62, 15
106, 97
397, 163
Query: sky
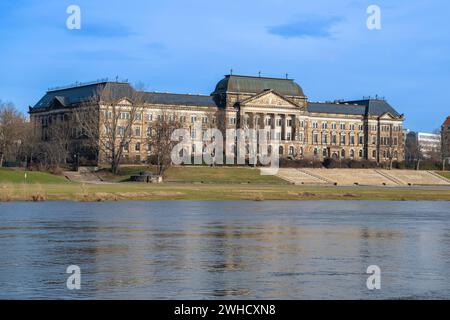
188, 46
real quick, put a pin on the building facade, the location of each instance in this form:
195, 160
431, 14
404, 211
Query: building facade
422, 145
445, 138
368, 129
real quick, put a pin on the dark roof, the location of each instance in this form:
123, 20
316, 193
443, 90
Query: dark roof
335, 108
179, 99
246, 84
376, 107
371, 107
82, 93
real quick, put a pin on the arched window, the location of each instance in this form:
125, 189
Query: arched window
325, 152
352, 153
360, 153
291, 150
269, 149
374, 154
280, 150
343, 153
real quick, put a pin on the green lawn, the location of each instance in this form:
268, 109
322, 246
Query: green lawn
220, 183
18, 176
445, 174
198, 174
183, 191
220, 175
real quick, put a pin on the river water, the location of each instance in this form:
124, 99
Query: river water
225, 249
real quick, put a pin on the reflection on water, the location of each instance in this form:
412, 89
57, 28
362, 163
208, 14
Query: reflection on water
234, 249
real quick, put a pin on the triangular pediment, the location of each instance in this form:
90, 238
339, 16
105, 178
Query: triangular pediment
387, 115
125, 102
270, 99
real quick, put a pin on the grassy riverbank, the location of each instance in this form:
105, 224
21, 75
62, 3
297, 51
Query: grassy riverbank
221, 184
174, 191
445, 174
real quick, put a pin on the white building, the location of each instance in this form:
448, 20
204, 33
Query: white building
426, 144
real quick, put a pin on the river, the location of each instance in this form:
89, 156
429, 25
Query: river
225, 249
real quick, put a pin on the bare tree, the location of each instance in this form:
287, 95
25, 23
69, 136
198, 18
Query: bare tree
106, 121
413, 150
159, 139
61, 133
12, 126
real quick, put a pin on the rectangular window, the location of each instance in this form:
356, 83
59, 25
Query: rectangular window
279, 122
342, 126
314, 125
193, 119
121, 130
333, 126
149, 117
138, 116
288, 136
315, 138
137, 131
125, 115
289, 122
324, 138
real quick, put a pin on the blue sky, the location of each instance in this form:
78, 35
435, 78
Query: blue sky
187, 46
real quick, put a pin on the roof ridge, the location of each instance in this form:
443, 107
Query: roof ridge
258, 77
180, 94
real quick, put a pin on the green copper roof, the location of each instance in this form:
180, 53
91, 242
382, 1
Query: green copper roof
246, 84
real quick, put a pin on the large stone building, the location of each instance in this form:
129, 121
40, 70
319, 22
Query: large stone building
367, 129
445, 138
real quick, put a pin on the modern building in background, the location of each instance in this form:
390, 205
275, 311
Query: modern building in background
422, 145
445, 138
368, 129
